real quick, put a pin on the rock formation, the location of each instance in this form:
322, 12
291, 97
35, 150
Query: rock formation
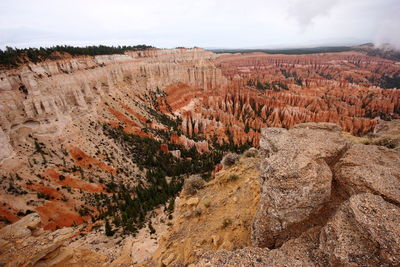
351, 219
60, 152
296, 178
25, 243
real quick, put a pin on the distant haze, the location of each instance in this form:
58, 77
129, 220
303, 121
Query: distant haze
205, 23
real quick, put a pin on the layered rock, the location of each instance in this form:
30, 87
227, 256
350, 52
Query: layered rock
364, 231
47, 96
24, 243
296, 178
5, 147
51, 126
352, 220
370, 169
52, 115
282, 91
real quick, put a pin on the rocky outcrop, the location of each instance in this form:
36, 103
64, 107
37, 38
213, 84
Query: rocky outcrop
46, 97
296, 178
324, 202
370, 169
25, 243
364, 231
6, 150
386, 133
54, 116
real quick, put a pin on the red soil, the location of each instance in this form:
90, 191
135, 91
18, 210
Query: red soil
8, 212
84, 160
164, 148
50, 191
140, 117
54, 175
56, 214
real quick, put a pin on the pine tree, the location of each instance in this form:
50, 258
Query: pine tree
108, 229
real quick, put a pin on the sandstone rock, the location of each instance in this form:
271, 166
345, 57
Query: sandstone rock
22, 228
365, 231
243, 257
296, 177
168, 260
13, 252
74, 257
6, 150
302, 251
192, 201
370, 169
164, 148
386, 133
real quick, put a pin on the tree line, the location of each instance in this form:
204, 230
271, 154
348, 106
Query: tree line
12, 57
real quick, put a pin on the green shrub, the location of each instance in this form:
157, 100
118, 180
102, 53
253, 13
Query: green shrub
251, 153
230, 159
192, 185
233, 177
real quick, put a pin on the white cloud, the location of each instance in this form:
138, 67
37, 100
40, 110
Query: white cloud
306, 11
207, 23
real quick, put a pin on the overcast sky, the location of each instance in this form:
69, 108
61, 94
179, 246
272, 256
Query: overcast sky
203, 23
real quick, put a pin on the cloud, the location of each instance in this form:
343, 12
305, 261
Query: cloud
306, 11
389, 29
205, 23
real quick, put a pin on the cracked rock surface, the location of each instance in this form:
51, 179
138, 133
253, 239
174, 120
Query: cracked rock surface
324, 202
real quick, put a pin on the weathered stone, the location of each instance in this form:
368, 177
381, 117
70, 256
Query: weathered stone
296, 177
192, 201
370, 169
364, 231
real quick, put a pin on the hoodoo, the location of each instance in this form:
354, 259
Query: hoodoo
283, 159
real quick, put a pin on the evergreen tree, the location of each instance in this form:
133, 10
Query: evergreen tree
108, 229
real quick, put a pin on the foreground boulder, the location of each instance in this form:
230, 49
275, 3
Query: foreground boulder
296, 178
25, 243
324, 202
370, 169
364, 231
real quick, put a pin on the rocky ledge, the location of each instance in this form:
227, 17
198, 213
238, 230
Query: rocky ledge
324, 201
25, 243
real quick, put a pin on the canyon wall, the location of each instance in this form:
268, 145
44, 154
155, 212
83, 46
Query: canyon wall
55, 153
46, 96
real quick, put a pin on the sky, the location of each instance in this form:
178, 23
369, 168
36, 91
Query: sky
202, 23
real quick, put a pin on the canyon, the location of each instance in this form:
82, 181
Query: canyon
84, 136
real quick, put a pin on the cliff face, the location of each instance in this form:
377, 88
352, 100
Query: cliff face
76, 133
46, 97
212, 94
52, 113
321, 201
54, 151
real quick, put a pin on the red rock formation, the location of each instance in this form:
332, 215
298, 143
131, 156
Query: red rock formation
220, 99
284, 90
164, 148
201, 146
